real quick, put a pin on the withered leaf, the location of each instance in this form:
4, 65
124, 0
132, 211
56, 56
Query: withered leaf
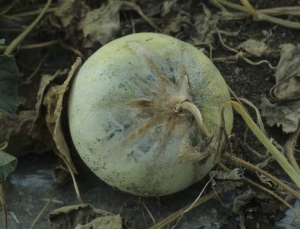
242, 200
254, 47
285, 114
84, 216
53, 102
285, 110
14, 129
39, 128
288, 89
198, 30
235, 174
69, 15
199, 153
288, 74
102, 25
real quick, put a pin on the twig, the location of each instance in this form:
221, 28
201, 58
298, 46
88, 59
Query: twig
29, 79
33, 46
74, 182
260, 124
234, 57
250, 9
140, 12
257, 169
148, 211
8, 8
3, 145
250, 166
278, 11
20, 38
262, 16
241, 54
68, 47
2, 201
43, 209
177, 214
266, 142
274, 195
34, 12
289, 149
192, 205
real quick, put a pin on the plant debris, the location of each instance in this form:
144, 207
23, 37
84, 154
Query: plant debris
84, 216
285, 109
15, 128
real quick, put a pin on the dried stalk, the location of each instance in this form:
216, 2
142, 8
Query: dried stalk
289, 149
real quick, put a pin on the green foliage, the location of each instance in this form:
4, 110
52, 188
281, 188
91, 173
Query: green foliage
9, 78
8, 164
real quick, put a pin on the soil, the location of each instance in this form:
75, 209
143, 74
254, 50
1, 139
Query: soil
29, 186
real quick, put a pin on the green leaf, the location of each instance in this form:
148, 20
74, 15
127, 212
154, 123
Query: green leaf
9, 78
8, 164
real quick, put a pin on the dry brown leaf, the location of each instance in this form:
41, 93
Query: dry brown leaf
53, 102
152, 7
14, 129
235, 174
285, 114
241, 201
285, 111
254, 47
84, 216
39, 128
195, 30
69, 15
102, 25
104, 222
61, 174
288, 74
288, 89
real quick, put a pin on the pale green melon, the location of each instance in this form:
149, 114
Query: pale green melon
122, 119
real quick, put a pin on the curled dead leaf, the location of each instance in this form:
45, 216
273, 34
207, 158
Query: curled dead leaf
14, 129
53, 102
287, 74
285, 114
285, 111
254, 47
69, 16
235, 174
84, 216
102, 25
39, 128
47, 124
195, 30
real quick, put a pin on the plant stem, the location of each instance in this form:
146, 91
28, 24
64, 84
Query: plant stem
33, 46
250, 9
257, 169
2, 202
266, 142
20, 38
289, 149
196, 113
